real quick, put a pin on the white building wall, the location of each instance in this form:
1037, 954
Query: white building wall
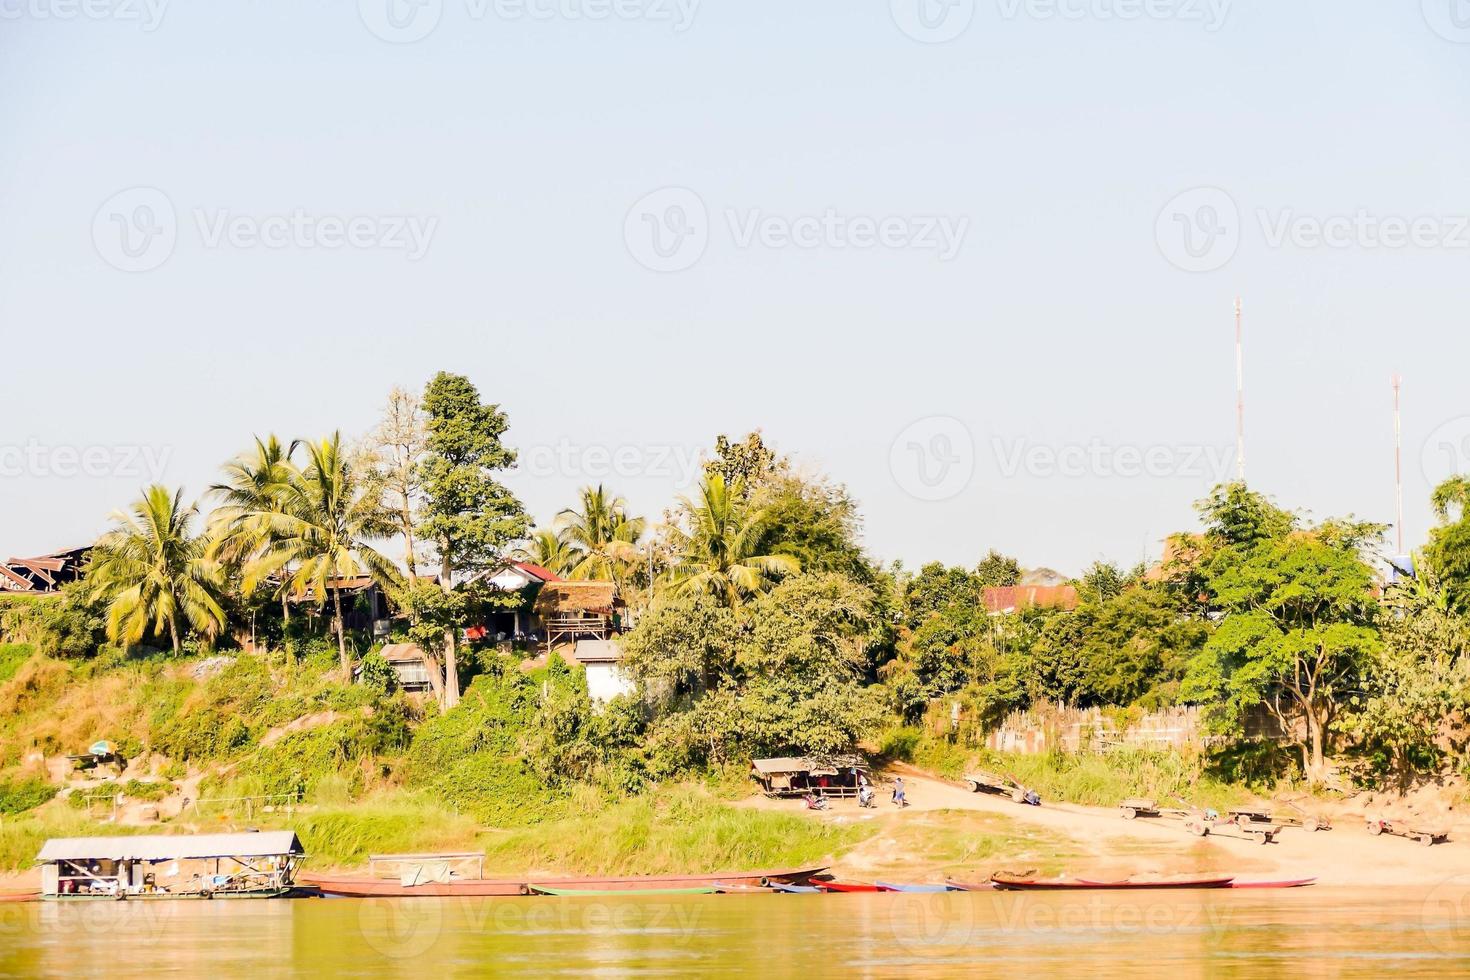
606, 681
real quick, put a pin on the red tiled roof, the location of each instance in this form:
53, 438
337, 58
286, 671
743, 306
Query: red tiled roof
535, 571
1010, 598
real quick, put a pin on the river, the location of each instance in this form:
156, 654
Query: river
1309, 931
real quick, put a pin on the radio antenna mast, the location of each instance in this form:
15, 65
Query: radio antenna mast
1239, 398
1398, 458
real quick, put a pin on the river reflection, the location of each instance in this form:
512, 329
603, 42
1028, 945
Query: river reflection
1318, 932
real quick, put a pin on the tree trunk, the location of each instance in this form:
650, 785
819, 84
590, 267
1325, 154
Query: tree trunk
407, 517
450, 696
173, 632
1316, 735
286, 628
341, 635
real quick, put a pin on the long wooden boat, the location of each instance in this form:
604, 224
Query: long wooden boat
889, 886
606, 892
847, 886
1019, 883
365, 886
1290, 883
780, 886
970, 886
19, 896
725, 888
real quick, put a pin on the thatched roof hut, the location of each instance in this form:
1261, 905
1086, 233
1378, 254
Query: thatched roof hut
559, 598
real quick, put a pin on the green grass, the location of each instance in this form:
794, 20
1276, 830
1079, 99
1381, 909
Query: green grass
12, 655
679, 830
1090, 779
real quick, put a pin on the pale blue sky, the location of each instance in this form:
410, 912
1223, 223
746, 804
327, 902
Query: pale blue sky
518, 145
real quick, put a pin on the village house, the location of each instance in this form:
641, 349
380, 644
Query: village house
43, 574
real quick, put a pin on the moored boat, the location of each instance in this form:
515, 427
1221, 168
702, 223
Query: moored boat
19, 896
1289, 883
366, 886
970, 886
846, 886
779, 886
608, 892
889, 886
1008, 882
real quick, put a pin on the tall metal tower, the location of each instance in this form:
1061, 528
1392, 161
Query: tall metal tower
1398, 458
1239, 398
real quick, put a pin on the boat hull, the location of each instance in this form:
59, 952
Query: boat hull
889, 886
1082, 884
1292, 883
611, 892
362, 886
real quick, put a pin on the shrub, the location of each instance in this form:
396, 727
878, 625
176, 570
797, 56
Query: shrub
18, 796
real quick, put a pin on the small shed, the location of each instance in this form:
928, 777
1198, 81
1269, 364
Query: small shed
798, 776
409, 664
574, 610
247, 865
602, 660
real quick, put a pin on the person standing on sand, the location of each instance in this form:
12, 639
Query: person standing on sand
898, 798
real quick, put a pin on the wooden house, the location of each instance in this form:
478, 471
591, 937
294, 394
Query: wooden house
571, 611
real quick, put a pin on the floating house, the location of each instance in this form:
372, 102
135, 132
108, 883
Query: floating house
800, 776
249, 865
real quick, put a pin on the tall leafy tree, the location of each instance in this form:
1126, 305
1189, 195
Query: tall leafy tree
1449, 543
255, 484
1300, 619
996, 569
467, 516
396, 449
323, 533
603, 534
718, 551
154, 573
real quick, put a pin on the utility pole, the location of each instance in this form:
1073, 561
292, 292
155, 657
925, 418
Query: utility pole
1398, 458
1239, 398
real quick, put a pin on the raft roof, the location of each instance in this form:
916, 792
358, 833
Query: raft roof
169, 847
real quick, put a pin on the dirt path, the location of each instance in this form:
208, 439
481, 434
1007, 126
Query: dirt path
1099, 841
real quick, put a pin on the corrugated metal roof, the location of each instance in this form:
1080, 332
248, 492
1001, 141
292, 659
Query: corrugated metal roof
167, 847
598, 652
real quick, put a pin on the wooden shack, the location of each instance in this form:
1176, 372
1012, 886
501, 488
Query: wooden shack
798, 776
248, 865
578, 610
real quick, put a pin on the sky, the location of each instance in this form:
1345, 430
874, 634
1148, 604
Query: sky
974, 259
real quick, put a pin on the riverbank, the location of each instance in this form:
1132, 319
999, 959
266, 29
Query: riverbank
946, 832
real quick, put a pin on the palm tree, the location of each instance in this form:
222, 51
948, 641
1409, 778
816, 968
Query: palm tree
716, 553
254, 485
550, 550
154, 572
321, 534
603, 534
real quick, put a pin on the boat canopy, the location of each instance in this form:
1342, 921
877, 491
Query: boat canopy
170, 847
